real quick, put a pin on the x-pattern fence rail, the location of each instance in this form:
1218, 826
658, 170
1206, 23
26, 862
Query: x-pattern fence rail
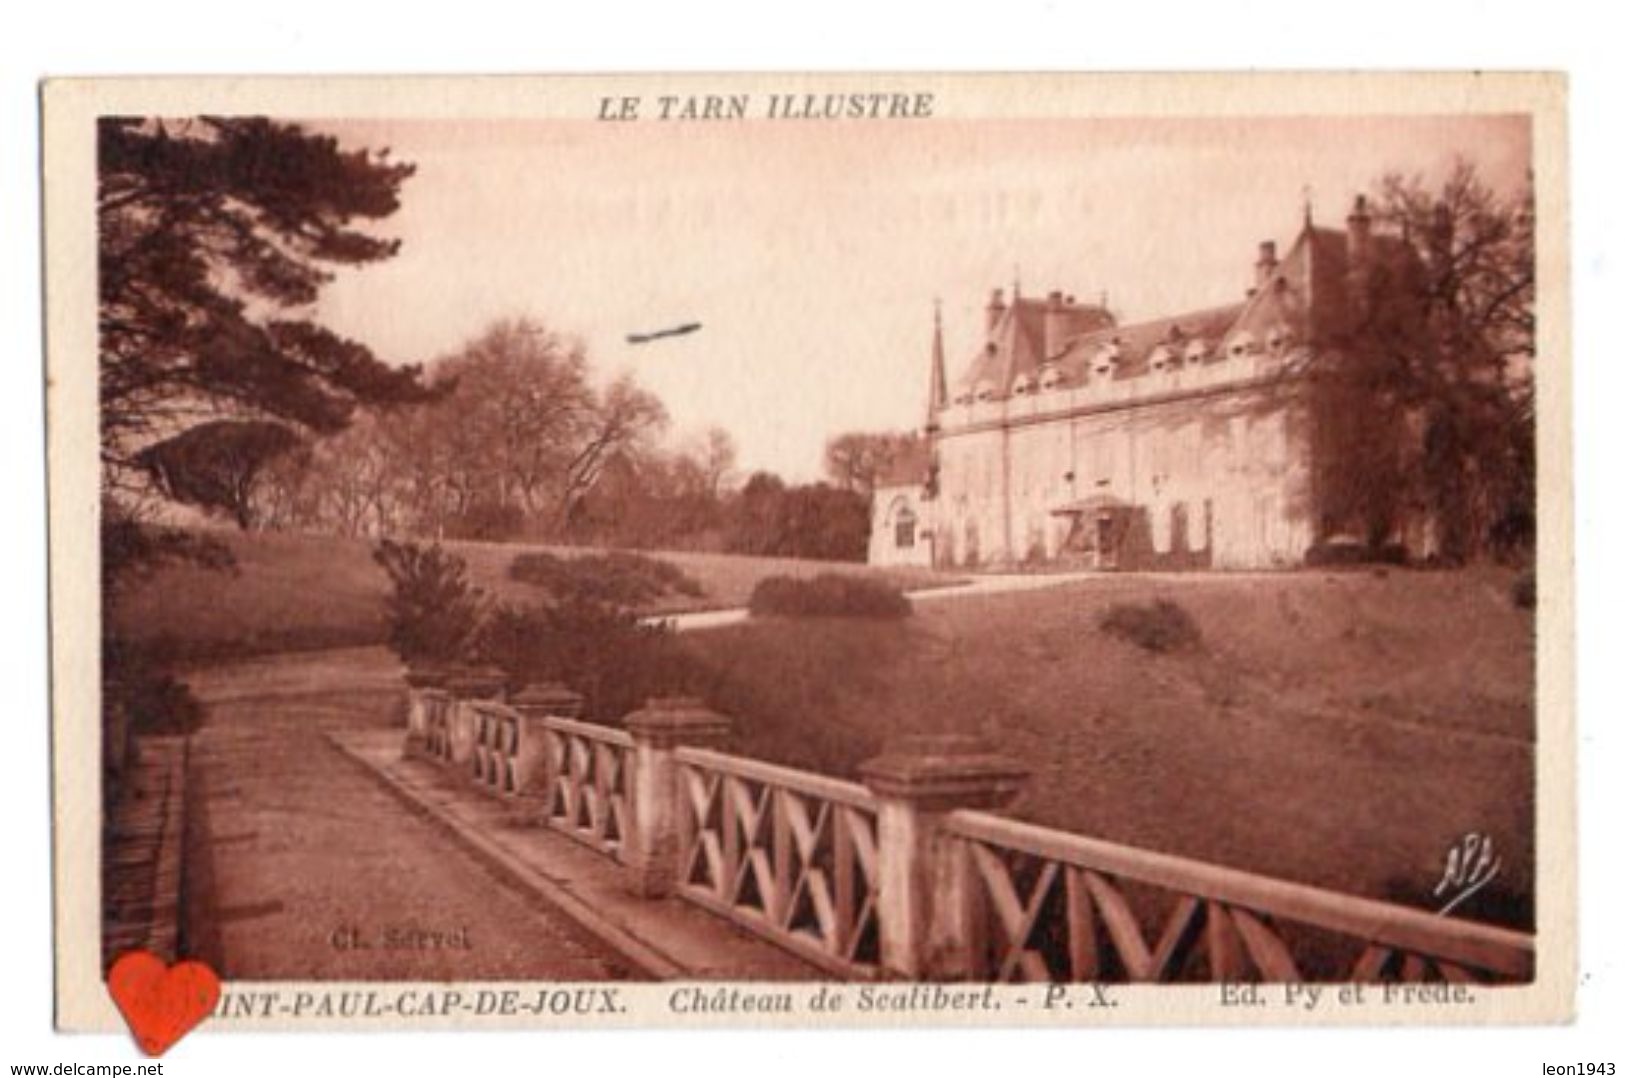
1060, 910
587, 775
786, 853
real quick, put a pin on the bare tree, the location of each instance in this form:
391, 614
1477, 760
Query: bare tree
523, 405
359, 478
515, 435
625, 417
287, 496
716, 458
854, 461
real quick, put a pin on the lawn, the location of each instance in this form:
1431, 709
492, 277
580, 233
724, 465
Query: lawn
726, 579
1342, 729
302, 592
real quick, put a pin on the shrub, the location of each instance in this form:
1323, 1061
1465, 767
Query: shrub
161, 704
153, 701
601, 651
828, 595
433, 611
133, 552
139, 693
1161, 626
139, 697
618, 577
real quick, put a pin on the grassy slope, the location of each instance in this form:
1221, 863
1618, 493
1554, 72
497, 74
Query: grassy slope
1341, 729
298, 592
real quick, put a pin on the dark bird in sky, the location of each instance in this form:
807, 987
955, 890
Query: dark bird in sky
674, 331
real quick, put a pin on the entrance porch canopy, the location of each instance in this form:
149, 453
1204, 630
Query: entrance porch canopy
1094, 503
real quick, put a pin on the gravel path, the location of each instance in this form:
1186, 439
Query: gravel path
300, 866
990, 584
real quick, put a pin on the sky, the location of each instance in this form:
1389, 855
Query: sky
812, 253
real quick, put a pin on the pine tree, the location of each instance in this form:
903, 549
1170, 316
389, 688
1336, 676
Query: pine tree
211, 231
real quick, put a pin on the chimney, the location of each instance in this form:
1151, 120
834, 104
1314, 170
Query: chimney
1359, 226
1055, 324
1264, 268
995, 308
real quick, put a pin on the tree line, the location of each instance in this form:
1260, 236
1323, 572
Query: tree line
511, 440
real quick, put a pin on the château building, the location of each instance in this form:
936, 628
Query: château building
1190, 441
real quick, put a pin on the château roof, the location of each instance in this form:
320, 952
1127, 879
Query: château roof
1303, 297
1136, 342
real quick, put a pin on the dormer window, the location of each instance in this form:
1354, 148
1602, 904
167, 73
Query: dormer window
984, 390
1050, 378
1022, 386
1164, 358
1196, 352
1107, 358
1279, 340
1240, 345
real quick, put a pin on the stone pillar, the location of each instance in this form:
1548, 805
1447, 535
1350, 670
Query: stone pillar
115, 734
467, 686
665, 724
535, 704
932, 920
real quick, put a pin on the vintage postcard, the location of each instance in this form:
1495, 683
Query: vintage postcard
1040, 550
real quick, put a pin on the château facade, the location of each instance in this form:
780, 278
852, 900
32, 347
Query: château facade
1190, 441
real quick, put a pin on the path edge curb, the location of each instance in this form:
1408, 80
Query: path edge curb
648, 959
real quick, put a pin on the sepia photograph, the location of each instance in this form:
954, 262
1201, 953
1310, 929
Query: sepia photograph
699, 547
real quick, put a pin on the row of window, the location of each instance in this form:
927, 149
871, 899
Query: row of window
1179, 527
1165, 357
1053, 464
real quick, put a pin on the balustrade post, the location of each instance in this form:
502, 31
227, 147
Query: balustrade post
933, 920
468, 686
533, 775
420, 682
665, 724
